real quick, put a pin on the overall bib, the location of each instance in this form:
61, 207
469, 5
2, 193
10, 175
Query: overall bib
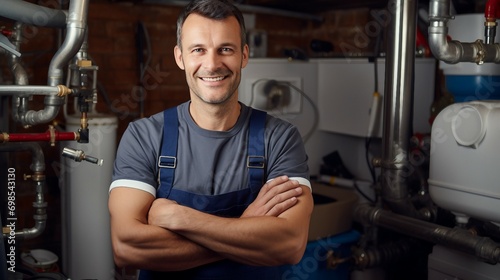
227, 205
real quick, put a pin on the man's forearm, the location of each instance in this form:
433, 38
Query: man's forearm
141, 245
159, 249
258, 240
254, 241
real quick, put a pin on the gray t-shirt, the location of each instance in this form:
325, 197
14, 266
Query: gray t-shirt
208, 162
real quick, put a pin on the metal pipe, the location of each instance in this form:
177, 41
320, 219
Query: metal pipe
457, 238
40, 215
25, 91
398, 98
75, 33
32, 14
38, 176
454, 51
19, 104
383, 254
37, 157
50, 135
17, 69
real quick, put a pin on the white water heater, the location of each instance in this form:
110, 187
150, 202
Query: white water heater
86, 248
465, 160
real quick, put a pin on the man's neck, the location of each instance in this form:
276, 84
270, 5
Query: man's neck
221, 117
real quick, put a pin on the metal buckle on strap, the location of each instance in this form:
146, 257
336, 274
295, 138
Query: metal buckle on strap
256, 162
167, 162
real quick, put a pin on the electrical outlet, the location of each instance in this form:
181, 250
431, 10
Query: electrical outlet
276, 95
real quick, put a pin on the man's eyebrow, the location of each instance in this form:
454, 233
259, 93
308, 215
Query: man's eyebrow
228, 45
194, 46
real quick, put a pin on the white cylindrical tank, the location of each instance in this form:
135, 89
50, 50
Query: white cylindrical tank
86, 247
464, 175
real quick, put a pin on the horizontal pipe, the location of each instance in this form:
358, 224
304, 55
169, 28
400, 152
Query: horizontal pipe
29, 90
457, 238
454, 51
51, 136
32, 14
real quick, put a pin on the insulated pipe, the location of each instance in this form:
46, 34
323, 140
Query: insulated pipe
491, 14
492, 10
457, 238
32, 14
75, 33
455, 51
50, 135
38, 168
398, 98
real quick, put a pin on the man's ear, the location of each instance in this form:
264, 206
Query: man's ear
178, 57
244, 59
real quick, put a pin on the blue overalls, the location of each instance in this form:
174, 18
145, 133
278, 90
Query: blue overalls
228, 205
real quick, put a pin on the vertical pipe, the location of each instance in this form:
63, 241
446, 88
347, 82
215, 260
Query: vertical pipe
75, 31
399, 73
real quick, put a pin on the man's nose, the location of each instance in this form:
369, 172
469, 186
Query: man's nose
212, 60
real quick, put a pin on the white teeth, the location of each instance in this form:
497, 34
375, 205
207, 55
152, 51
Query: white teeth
213, 79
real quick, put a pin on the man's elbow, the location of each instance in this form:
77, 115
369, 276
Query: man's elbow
296, 253
121, 255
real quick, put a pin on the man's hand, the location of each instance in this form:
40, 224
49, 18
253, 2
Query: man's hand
160, 210
274, 198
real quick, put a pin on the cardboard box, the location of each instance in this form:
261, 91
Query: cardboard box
332, 213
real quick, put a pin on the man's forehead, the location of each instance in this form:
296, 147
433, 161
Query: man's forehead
196, 26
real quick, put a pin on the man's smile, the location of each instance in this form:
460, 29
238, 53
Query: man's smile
213, 79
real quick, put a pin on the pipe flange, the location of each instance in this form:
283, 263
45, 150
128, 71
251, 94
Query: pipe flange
481, 52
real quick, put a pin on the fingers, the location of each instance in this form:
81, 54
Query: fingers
283, 202
274, 198
271, 184
279, 191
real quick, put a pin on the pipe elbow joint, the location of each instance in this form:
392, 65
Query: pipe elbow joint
33, 232
52, 104
444, 50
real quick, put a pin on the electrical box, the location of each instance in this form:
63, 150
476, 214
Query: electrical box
345, 94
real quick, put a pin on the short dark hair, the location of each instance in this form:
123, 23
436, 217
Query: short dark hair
213, 9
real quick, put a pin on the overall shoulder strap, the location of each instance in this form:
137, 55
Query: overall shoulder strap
167, 162
256, 160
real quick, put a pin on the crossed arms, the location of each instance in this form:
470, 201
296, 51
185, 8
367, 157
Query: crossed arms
159, 234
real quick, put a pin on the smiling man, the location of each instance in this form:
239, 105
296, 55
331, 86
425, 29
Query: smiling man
210, 189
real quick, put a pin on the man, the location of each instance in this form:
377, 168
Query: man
210, 190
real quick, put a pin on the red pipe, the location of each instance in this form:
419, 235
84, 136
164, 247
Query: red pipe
50, 135
6, 32
492, 10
